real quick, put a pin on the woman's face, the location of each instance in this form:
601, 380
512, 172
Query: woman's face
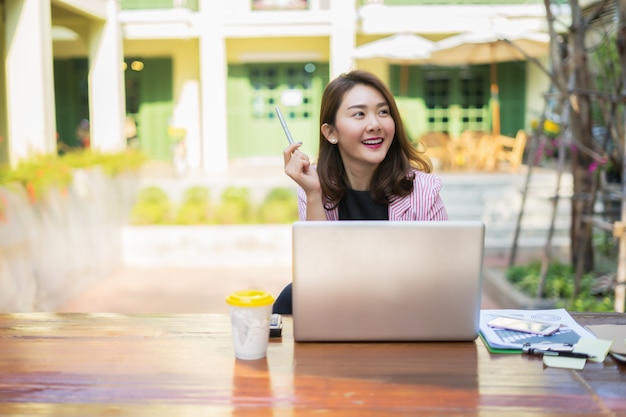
364, 128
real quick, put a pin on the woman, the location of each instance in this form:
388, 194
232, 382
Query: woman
367, 168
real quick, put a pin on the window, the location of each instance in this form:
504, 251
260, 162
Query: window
437, 98
286, 85
457, 99
473, 100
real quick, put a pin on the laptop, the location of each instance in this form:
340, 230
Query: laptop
387, 281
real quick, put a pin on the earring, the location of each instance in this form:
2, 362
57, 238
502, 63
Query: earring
333, 140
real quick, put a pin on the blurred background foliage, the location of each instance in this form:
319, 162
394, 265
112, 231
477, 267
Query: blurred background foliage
234, 206
41, 173
595, 293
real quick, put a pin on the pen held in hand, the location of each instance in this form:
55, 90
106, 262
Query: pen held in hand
284, 125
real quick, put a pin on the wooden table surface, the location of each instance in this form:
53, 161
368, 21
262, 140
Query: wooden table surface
184, 365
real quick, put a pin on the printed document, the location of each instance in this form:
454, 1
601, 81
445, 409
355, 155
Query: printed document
503, 340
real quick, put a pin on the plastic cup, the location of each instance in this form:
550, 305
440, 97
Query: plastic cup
250, 312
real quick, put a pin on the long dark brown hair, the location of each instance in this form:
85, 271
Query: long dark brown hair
394, 174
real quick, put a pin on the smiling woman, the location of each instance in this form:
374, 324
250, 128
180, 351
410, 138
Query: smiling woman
367, 168
363, 146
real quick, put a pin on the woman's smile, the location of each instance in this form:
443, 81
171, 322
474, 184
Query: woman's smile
373, 143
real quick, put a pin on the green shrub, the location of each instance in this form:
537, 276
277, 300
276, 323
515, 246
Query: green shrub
279, 207
153, 207
38, 175
235, 207
111, 163
196, 207
41, 173
559, 286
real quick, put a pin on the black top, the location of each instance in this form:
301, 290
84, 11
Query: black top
358, 205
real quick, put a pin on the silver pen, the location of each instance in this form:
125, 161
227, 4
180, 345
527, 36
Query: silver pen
284, 125
555, 347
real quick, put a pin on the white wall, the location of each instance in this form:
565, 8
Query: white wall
537, 85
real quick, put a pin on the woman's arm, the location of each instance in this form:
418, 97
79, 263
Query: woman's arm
299, 168
437, 210
310, 208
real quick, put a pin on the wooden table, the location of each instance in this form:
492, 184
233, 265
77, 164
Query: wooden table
183, 365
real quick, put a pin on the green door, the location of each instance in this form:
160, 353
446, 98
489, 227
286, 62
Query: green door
512, 82
149, 101
149, 95
71, 95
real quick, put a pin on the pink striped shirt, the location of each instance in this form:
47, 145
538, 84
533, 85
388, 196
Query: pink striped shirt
423, 203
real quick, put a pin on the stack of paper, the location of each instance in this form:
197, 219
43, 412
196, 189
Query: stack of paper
509, 341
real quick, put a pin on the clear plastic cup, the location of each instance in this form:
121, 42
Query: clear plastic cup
250, 312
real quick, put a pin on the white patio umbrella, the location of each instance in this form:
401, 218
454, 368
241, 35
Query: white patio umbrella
473, 48
483, 47
402, 48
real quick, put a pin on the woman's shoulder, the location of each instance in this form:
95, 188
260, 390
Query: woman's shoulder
422, 177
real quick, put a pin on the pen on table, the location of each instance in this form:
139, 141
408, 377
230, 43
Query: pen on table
565, 354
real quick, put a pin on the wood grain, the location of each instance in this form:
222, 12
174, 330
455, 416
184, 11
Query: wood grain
183, 365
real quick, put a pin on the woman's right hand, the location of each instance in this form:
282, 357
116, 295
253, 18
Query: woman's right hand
299, 168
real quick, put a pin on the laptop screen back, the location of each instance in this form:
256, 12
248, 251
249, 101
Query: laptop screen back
387, 281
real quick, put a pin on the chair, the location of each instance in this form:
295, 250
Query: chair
509, 151
482, 151
471, 148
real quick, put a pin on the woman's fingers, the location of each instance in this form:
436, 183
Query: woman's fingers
289, 150
297, 165
295, 161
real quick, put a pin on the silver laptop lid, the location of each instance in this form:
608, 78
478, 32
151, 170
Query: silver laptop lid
387, 281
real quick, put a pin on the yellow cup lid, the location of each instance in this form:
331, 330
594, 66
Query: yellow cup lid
250, 298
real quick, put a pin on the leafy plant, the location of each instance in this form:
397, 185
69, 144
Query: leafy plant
280, 206
559, 286
196, 207
111, 163
153, 207
235, 207
38, 175
41, 173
